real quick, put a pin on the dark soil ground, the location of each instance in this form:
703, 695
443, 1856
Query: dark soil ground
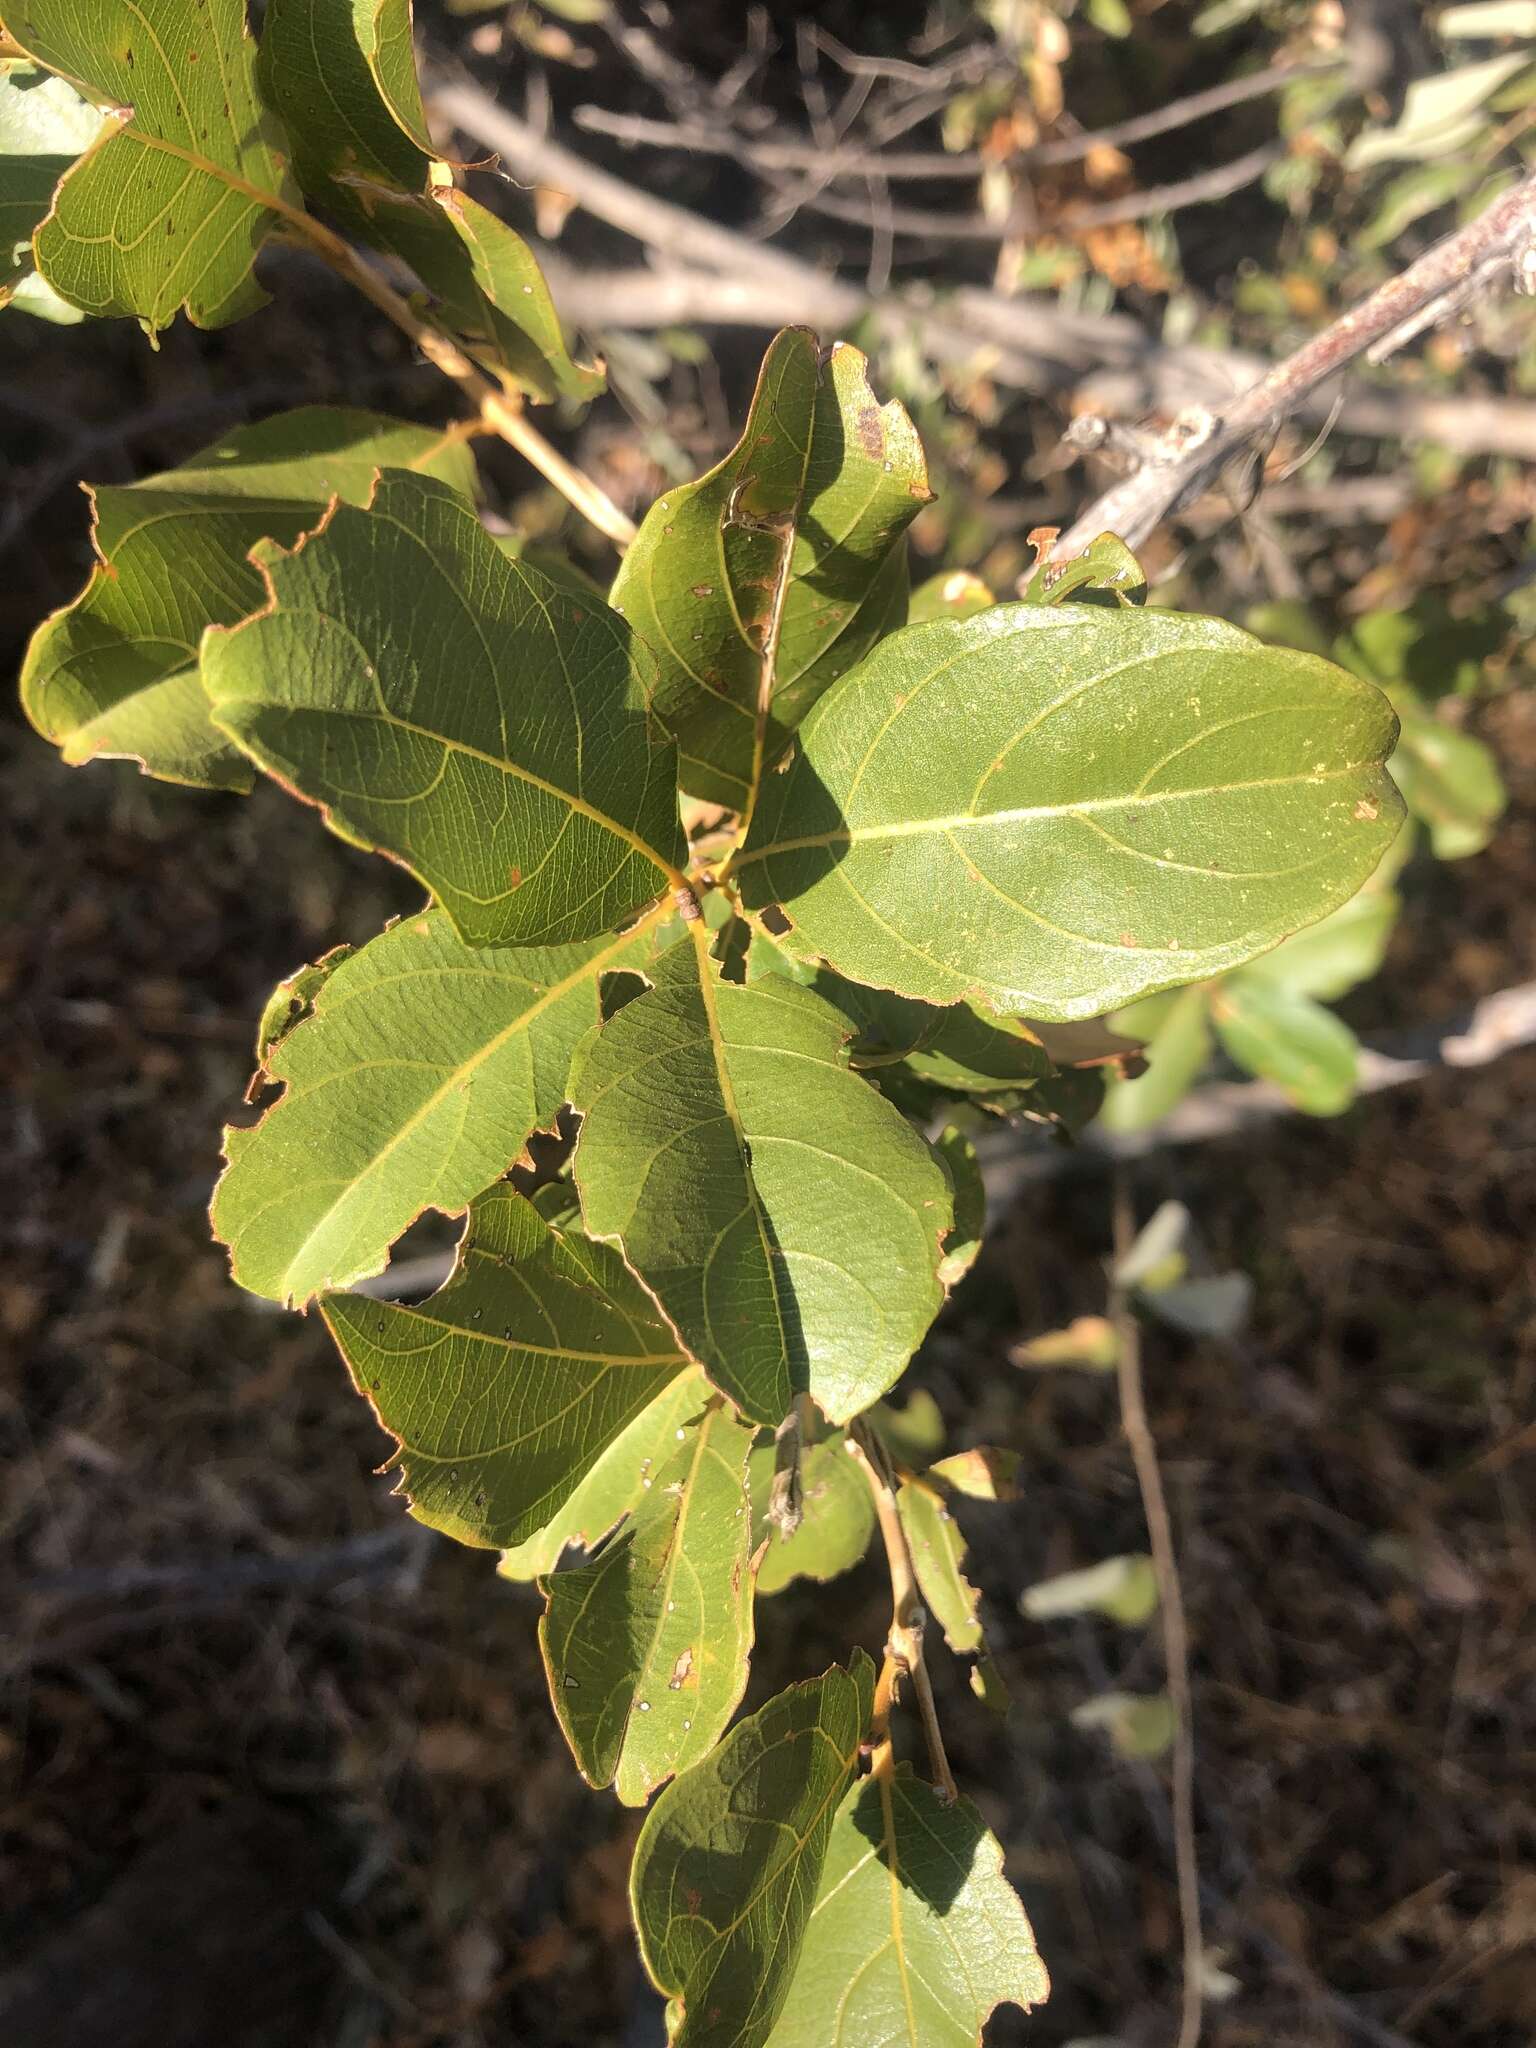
269, 1753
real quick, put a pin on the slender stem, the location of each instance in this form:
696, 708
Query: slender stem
904, 1646
501, 411
1165, 1568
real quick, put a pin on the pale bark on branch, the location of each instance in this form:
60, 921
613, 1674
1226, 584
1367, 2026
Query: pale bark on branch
710, 275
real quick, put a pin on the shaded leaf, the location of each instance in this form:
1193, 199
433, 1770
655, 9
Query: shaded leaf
1057, 811
837, 1521
167, 210
1283, 1036
646, 1646
343, 79
914, 1432
962, 1243
115, 673
728, 1862
413, 1084
822, 468
961, 1048
757, 1186
506, 1387
1213, 1305
616, 1482
916, 1937
1441, 114
459, 711
44, 126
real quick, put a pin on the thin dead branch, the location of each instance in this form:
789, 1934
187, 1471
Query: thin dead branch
1500, 243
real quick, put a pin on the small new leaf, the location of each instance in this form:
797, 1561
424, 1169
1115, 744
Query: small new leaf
646, 1646
757, 1187
730, 1857
821, 469
1059, 810
115, 674
456, 709
916, 1936
167, 209
506, 1387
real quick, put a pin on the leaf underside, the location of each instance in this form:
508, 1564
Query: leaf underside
646, 1646
167, 210
115, 673
506, 1387
413, 1083
456, 709
729, 1858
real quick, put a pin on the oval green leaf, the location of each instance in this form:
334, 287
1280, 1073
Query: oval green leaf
1057, 810
821, 469
413, 1083
916, 1936
784, 1215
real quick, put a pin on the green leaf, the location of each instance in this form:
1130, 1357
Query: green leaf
822, 469
167, 210
1177, 1051
916, 1937
758, 1187
413, 1084
646, 1646
728, 1862
507, 1386
44, 126
984, 1472
1058, 810
1329, 959
343, 78
961, 1048
1282, 1036
962, 1245
938, 1553
1450, 781
115, 674
952, 594
1441, 114
1106, 572
837, 1521
459, 711
1124, 1589
615, 1483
